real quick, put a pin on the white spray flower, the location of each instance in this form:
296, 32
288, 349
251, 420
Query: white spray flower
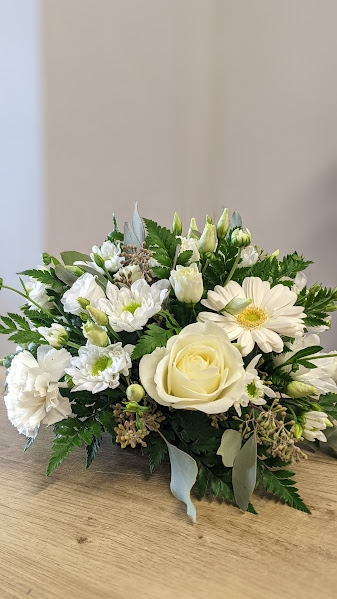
313, 423
190, 244
249, 256
129, 309
38, 292
255, 390
108, 255
56, 335
98, 368
84, 288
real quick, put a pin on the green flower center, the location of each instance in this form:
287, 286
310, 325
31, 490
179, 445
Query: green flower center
252, 317
252, 389
101, 364
131, 307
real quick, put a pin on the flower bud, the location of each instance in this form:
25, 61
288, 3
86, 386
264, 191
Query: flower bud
76, 270
223, 225
187, 283
56, 335
298, 430
46, 258
297, 389
274, 254
98, 316
135, 392
193, 230
236, 305
176, 225
240, 238
98, 260
208, 241
95, 334
84, 302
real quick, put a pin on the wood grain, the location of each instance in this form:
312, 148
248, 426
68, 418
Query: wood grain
114, 531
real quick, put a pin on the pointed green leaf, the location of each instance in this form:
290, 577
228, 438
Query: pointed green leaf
230, 446
66, 276
70, 257
184, 472
331, 436
244, 473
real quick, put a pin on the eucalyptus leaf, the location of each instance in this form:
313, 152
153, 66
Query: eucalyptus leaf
236, 220
138, 225
129, 236
244, 473
66, 276
331, 436
184, 472
230, 446
70, 257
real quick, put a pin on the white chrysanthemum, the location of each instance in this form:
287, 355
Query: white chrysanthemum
249, 256
129, 309
109, 253
323, 377
313, 424
272, 313
38, 292
84, 288
255, 390
97, 368
33, 392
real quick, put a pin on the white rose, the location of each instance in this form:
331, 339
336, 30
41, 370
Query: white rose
187, 283
199, 369
33, 393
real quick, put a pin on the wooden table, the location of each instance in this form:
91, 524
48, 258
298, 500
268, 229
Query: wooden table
116, 532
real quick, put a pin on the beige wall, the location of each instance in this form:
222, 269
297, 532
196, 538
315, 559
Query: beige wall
192, 105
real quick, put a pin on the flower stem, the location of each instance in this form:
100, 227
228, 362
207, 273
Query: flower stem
233, 269
71, 344
26, 296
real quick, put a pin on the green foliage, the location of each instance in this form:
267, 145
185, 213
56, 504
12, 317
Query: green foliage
153, 337
47, 277
244, 473
184, 258
219, 486
161, 242
70, 257
317, 303
91, 450
29, 443
328, 404
155, 450
280, 483
290, 265
108, 421
18, 330
71, 433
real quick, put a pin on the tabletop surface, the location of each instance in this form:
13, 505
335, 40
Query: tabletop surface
115, 531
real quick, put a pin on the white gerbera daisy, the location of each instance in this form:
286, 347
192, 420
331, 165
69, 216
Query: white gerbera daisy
255, 390
97, 368
272, 313
129, 309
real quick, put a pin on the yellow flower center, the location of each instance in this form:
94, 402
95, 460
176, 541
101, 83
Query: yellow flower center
252, 317
101, 364
131, 307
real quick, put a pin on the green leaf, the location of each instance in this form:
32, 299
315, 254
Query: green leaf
91, 450
20, 320
44, 276
61, 448
279, 483
202, 481
66, 276
156, 452
161, 242
86, 435
109, 422
230, 446
184, 472
328, 404
70, 257
331, 437
153, 337
22, 337
244, 473
184, 258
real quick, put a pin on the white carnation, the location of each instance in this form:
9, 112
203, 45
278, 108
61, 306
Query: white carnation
38, 293
33, 391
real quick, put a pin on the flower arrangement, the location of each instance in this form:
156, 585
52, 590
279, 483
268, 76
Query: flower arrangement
200, 346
